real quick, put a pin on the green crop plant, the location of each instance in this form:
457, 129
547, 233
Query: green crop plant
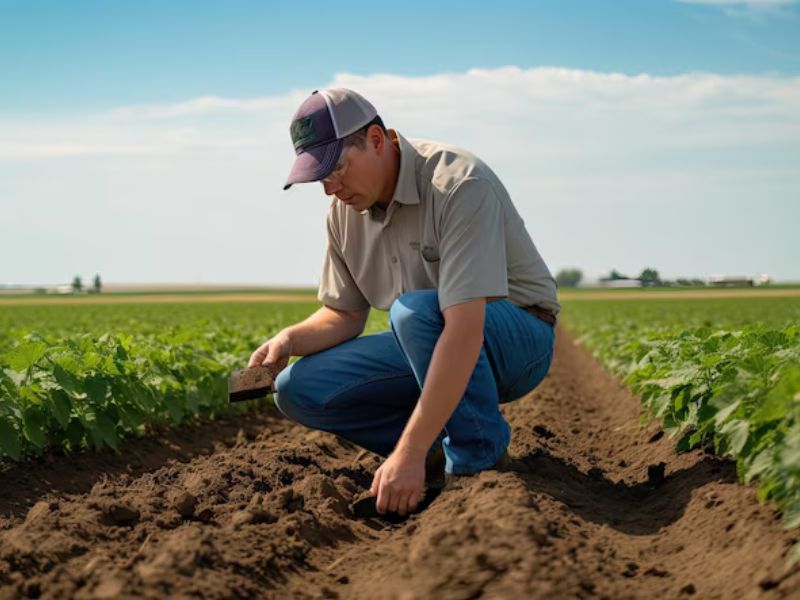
73, 376
719, 372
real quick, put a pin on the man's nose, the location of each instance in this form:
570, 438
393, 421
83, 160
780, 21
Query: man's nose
330, 187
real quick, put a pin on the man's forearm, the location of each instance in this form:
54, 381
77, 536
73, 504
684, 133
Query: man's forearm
453, 361
323, 329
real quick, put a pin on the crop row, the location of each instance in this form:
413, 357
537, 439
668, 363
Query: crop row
88, 375
730, 379
78, 376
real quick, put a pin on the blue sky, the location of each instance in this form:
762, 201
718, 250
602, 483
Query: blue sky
76, 55
630, 133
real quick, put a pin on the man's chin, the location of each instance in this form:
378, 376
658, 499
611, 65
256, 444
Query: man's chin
358, 204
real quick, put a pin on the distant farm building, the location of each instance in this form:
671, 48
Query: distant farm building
731, 281
620, 283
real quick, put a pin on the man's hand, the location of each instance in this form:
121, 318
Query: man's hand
400, 481
274, 353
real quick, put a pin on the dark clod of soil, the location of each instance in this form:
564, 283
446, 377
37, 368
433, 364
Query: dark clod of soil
543, 432
119, 513
185, 503
655, 474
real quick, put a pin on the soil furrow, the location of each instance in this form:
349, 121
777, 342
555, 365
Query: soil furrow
593, 505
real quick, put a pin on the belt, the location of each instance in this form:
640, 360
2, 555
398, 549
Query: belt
541, 313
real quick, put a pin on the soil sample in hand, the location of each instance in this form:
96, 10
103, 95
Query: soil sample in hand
246, 384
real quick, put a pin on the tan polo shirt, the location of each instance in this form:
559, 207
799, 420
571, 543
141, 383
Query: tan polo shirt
451, 226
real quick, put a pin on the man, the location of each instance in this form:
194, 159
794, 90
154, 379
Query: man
428, 232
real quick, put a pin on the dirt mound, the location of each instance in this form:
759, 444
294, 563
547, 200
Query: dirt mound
592, 506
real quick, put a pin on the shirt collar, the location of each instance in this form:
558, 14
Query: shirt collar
405, 192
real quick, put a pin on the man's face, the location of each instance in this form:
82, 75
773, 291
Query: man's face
356, 179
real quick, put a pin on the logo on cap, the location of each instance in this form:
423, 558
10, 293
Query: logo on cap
302, 132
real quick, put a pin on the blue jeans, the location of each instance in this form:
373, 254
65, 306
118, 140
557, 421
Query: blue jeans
364, 389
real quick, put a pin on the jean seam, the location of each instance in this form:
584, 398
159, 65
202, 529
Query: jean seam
382, 377
528, 366
484, 440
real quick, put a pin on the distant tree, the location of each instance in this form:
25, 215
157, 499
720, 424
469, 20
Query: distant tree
569, 277
686, 282
98, 285
77, 284
649, 278
614, 276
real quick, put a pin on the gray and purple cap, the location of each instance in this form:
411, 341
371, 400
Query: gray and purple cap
317, 130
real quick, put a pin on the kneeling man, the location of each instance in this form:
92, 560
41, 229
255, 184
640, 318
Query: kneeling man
425, 231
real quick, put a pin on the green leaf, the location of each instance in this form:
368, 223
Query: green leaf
66, 379
174, 408
33, 421
792, 515
107, 429
794, 555
24, 356
760, 463
9, 439
738, 431
96, 389
75, 433
723, 414
61, 406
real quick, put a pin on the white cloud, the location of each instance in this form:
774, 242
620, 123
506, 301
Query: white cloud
754, 3
192, 190
749, 9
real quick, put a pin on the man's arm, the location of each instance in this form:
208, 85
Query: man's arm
323, 329
399, 481
454, 358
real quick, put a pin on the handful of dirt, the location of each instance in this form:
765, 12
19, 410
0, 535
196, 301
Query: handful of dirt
250, 383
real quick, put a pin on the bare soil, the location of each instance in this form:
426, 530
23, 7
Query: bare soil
593, 506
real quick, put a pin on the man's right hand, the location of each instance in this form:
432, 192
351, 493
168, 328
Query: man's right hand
274, 354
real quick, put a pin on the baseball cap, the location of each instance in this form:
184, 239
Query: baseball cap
317, 129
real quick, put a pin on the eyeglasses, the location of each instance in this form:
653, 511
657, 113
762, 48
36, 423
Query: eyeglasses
340, 169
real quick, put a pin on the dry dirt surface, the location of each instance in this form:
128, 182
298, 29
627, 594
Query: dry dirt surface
593, 506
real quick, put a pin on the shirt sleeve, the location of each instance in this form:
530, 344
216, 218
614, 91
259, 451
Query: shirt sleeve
337, 288
472, 245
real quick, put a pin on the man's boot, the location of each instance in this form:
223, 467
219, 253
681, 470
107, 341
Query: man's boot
434, 468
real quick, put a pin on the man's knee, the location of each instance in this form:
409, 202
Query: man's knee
414, 307
290, 393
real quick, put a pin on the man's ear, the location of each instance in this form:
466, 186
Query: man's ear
376, 138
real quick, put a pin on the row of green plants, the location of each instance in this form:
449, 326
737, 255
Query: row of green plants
78, 376
724, 373
73, 377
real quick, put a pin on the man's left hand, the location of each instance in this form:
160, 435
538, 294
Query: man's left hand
400, 481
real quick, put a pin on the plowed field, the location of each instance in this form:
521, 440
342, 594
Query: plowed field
257, 507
